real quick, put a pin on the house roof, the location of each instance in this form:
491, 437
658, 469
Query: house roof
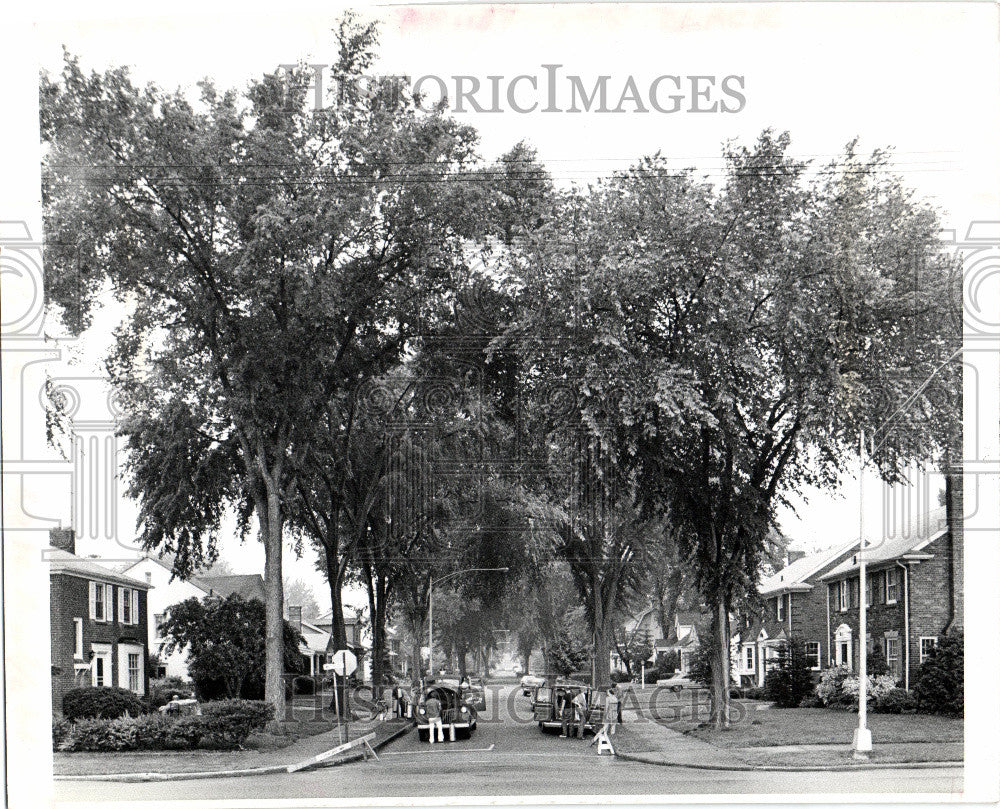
245, 585
314, 639
909, 540
796, 575
68, 564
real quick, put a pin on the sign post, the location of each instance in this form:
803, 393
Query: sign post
344, 663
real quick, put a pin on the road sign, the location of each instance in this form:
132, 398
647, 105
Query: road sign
344, 662
328, 667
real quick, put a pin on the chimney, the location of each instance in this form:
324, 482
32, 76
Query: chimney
63, 538
794, 556
295, 618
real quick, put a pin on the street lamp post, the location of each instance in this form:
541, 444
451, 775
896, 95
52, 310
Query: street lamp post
430, 605
862, 734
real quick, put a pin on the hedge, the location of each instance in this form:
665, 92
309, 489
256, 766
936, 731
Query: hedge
222, 726
101, 702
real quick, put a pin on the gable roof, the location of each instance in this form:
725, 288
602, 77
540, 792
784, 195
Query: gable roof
910, 542
245, 585
68, 564
796, 575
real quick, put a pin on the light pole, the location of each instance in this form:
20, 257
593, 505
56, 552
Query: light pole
430, 605
862, 734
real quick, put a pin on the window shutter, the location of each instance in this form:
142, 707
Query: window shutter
135, 606
108, 614
121, 605
92, 599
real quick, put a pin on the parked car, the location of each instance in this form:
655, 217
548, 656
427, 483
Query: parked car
458, 716
529, 682
547, 705
677, 683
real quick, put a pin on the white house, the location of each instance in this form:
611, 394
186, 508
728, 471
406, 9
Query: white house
165, 593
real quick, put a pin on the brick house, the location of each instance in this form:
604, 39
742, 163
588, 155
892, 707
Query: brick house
914, 591
794, 609
98, 623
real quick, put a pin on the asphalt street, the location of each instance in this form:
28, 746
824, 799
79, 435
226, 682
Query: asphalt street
508, 755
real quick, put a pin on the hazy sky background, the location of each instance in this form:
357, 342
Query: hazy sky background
825, 72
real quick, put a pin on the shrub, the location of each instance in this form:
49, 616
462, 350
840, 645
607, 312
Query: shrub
877, 687
101, 735
229, 722
940, 680
810, 701
896, 700
828, 689
701, 665
788, 680
100, 703
60, 729
620, 677
162, 691
754, 692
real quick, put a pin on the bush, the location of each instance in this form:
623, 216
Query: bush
60, 730
940, 680
755, 692
788, 680
620, 677
896, 700
878, 687
701, 665
223, 725
229, 722
100, 703
828, 689
162, 691
811, 701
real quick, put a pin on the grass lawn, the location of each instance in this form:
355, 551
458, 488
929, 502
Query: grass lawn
783, 726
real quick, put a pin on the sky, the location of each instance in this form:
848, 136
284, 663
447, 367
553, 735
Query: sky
923, 83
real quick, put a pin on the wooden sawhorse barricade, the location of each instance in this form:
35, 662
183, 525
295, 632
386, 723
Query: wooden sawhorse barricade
603, 742
364, 742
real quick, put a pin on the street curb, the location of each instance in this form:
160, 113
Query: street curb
190, 776
918, 765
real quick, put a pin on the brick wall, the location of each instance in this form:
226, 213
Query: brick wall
69, 599
808, 620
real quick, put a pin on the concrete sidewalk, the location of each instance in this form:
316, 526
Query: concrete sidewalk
641, 739
183, 765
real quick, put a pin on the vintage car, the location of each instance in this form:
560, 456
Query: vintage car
529, 682
677, 683
458, 715
547, 703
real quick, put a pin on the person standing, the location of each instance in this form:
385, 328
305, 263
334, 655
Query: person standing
433, 708
612, 715
580, 712
566, 713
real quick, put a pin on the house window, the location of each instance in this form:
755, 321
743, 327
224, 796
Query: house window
100, 601
926, 644
748, 658
100, 668
812, 654
158, 624
781, 608
891, 586
134, 670
78, 638
842, 595
128, 605
892, 657
130, 673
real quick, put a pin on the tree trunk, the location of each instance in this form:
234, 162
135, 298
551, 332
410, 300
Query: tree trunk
720, 667
271, 531
602, 649
338, 629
